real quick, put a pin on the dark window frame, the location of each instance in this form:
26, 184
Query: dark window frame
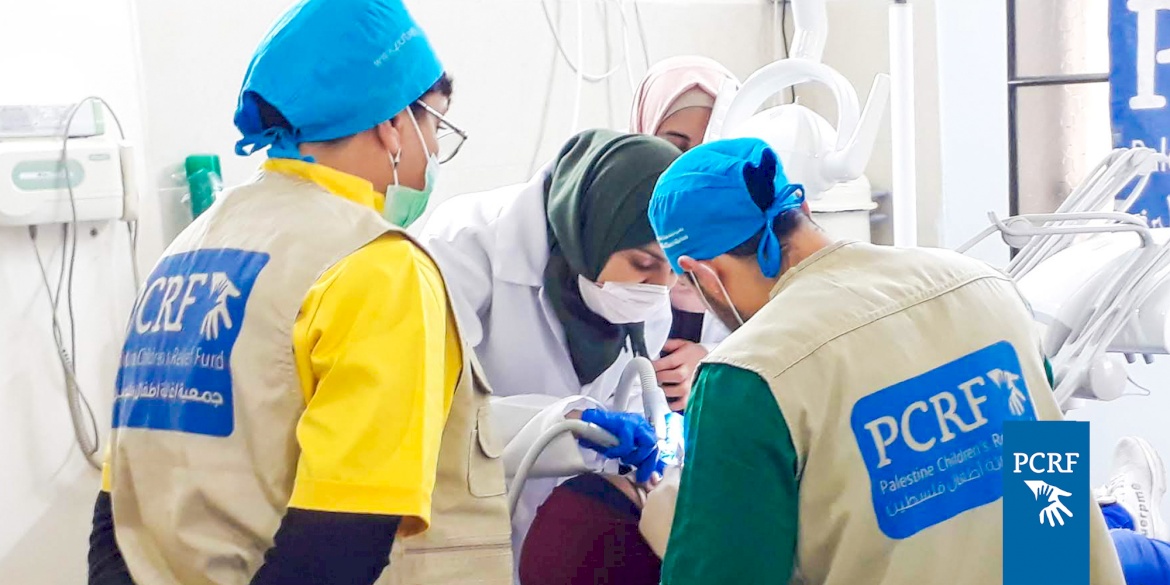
1014, 83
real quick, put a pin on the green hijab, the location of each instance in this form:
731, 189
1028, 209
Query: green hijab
596, 201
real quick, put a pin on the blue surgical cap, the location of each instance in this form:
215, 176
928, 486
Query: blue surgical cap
334, 68
703, 207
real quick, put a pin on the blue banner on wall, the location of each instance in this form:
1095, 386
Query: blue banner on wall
1139, 46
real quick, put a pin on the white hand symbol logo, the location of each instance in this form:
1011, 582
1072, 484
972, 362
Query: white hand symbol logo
1017, 398
1016, 402
1051, 514
222, 286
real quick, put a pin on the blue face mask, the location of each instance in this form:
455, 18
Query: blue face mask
404, 205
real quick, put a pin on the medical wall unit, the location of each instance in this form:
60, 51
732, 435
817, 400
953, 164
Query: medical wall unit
48, 121
93, 181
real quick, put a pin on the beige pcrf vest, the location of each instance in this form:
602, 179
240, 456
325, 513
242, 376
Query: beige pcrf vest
198, 497
894, 370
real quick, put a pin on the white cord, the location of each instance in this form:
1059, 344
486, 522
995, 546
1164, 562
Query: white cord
626, 48
580, 68
1111, 315
132, 228
603, 9
577, 67
544, 114
85, 442
641, 33
1135, 384
76, 400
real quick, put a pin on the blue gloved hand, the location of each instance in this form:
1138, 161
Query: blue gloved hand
637, 444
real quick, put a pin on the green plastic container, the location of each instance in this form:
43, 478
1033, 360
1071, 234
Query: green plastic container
205, 180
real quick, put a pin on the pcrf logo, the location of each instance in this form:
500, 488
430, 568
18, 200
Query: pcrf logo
1054, 511
167, 299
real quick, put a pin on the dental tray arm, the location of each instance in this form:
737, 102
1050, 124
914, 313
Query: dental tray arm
1087, 313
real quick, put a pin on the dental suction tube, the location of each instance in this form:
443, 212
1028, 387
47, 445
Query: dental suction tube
582, 429
654, 405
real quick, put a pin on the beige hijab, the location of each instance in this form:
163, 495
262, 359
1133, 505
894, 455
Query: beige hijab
674, 84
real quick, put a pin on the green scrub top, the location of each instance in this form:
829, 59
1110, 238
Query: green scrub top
736, 517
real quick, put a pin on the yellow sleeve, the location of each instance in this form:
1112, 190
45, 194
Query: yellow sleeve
107, 481
378, 357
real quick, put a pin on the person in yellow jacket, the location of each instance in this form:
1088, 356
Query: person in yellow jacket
292, 391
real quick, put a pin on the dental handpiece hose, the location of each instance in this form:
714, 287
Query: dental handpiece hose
582, 429
654, 403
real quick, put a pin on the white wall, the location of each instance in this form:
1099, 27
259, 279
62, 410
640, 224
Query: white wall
972, 56
58, 51
500, 53
858, 47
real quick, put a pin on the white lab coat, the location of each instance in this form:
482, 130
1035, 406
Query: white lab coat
714, 332
492, 248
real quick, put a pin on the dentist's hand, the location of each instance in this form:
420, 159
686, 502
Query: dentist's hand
676, 371
637, 445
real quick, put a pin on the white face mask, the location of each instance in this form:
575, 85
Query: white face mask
623, 302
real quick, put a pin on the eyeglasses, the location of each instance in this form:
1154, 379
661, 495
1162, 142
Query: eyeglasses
450, 136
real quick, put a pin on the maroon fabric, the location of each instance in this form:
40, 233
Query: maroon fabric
581, 537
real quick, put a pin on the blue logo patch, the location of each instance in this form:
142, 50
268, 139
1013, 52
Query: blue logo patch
175, 370
933, 444
1046, 503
